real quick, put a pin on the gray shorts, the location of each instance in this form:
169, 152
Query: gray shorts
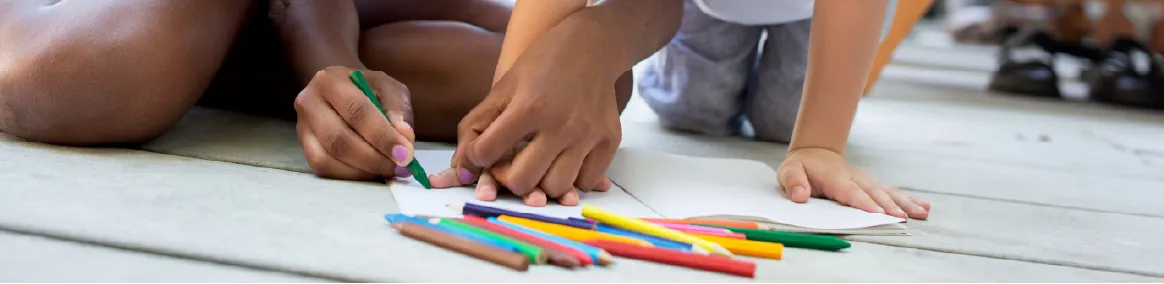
715, 75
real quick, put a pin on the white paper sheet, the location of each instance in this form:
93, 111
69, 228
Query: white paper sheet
671, 186
684, 187
412, 198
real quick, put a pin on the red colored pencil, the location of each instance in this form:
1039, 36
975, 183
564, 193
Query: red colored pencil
674, 257
534, 240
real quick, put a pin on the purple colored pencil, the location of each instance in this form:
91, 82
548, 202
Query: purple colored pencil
489, 212
587, 220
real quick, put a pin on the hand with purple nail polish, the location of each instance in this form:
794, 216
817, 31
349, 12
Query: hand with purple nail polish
819, 172
344, 136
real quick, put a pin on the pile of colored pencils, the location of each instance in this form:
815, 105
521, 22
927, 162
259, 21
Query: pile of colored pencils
517, 240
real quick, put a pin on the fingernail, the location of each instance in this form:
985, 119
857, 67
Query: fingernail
918, 209
402, 172
798, 189
464, 176
408, 125
400, 154
880, 210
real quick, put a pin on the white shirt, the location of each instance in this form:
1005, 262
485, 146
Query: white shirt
757, 12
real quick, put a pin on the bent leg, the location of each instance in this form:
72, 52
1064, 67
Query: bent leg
94, 72
774, 102
447, 66
696, 82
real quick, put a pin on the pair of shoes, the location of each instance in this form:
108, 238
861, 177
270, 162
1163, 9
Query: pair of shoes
1113, 77
1118, 79
1034, 77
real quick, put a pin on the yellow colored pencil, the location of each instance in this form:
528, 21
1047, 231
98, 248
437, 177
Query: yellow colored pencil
649, 228
571, 233
748, 248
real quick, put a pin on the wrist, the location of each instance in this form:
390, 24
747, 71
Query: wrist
306, 63
584, 43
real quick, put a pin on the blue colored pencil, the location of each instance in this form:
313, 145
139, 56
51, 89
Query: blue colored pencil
394, 218
598, 255
656, 241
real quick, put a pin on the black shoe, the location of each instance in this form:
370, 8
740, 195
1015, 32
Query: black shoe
1118, 81
1034, 77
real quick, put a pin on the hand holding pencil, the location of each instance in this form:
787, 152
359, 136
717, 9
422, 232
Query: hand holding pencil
345, 135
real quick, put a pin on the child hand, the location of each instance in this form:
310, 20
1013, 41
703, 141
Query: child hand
819, 172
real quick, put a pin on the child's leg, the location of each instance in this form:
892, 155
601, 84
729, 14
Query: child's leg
695, 83
775, 99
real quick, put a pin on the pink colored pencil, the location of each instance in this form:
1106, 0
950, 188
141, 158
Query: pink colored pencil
701, 230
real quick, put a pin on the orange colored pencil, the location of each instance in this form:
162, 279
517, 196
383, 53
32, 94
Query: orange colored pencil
746, 247
571, 233
725, 223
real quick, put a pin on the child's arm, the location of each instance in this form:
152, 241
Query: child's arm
528, 21
842, 44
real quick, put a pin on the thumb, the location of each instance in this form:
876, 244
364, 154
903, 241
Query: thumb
471, 126
794, 180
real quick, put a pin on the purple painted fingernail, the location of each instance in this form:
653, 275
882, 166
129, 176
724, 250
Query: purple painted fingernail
464, 176
402, 172
407, 125
400, 154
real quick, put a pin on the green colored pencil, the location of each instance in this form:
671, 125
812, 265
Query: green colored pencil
535, 253
795, 240
414, 166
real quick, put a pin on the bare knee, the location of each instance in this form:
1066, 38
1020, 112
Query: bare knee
448, 67
122, 76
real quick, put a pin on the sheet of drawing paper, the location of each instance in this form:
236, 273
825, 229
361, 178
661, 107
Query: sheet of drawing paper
679, 186
412, 198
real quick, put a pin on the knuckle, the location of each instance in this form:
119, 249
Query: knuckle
587, 183
555, 187
335, 143
385, 139
355, 112
301, 101
521, 185
317, 160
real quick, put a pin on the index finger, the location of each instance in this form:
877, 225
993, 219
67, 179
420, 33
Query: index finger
363, 114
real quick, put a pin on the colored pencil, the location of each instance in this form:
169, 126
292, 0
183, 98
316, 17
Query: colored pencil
580, 256
478, 250
748, 248
576, 234
536, 254
794, 240
650, 229
582, 220
400, 218
700, 230
656, 241
693, 228
702, 262
486, 212
598, 255
720, 223
414, 167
